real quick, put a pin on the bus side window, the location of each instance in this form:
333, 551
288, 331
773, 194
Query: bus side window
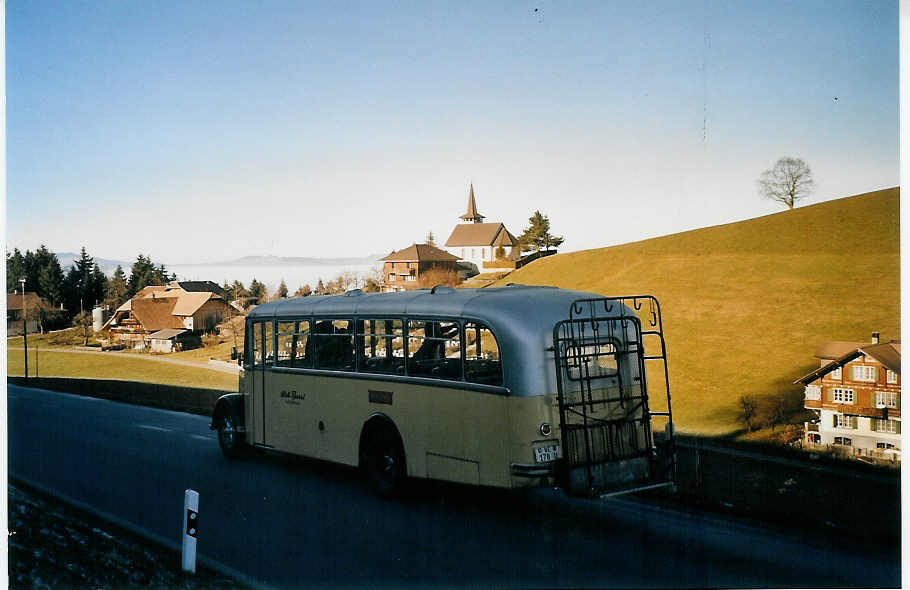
267, 344
380, 346
302, 353
482, 362
434, 349
334, 344
255, 338
285, 350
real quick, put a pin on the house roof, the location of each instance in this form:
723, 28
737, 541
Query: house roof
166, 334
476, 234
189, 303
154, 313
836, 349
888, 354
14, 300
420, 253
201, 286
472, 214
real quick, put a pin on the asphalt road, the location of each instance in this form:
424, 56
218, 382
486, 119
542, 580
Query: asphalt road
280, 522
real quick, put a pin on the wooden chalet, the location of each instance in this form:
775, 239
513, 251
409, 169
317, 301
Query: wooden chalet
855, 393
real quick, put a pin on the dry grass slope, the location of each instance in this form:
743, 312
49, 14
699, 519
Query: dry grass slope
745, 304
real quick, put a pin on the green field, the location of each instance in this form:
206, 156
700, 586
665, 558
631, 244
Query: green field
746, 304
116, 366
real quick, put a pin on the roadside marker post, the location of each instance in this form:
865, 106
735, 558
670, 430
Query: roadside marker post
190, 529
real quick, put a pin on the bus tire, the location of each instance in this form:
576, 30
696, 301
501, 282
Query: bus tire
382, 459
232, 443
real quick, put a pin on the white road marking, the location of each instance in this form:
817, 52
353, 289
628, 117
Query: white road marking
205, 438
150, 427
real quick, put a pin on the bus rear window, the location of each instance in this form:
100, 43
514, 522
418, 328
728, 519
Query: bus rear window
380, 345
434, 349
482, 363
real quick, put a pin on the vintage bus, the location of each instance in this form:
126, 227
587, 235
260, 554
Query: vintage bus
510, 386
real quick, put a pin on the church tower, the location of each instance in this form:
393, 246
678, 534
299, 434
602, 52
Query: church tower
472, 215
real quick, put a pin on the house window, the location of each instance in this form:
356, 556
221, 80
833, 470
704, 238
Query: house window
391, 277
886, 426
841, 395
815, 437
843, 440
886, 399
891, 376
813, 392
844, 421
864, 373
836, 373
410, 278
882, 445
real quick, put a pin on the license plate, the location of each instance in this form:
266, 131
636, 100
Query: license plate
546, 454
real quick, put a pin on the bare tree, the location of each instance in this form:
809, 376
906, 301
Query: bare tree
747, 410
787, 182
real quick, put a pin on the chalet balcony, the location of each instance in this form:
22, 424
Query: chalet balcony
812, 404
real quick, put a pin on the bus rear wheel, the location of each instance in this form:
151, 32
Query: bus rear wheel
382, 460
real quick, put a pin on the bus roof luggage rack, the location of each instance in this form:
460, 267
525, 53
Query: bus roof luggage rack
603, 353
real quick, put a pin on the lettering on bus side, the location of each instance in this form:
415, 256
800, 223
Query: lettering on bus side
291, 397
380, 397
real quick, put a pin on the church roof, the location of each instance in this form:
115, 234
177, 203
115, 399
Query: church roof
480, 234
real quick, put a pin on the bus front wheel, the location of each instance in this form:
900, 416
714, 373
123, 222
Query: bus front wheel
382, 460
230, 441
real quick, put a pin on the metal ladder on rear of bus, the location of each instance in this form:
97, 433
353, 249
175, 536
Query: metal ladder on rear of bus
608, 447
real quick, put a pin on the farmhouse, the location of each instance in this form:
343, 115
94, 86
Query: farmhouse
164, 315
477, 243
402, 269
856, 396
14, 311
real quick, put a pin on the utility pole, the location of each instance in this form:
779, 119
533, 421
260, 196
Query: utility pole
25, 327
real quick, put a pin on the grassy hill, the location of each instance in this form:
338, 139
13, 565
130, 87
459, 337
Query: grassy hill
745, 304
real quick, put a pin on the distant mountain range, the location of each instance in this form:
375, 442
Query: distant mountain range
109, 266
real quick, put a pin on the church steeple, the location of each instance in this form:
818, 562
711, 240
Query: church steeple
472, 214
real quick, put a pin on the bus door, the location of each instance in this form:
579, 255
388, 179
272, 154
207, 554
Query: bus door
262, 359
608, 446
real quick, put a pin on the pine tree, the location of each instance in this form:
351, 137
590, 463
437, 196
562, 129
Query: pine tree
144, 273
258, 292
537, 237
304, 291
117, 291
15, 270
50, 275
282, 290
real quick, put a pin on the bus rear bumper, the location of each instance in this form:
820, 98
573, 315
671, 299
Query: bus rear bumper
532, 470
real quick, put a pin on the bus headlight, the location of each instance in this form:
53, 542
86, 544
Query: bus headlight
546, 429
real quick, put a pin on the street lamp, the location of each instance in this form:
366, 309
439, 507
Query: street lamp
25, 327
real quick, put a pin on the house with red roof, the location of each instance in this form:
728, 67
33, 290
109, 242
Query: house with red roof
404, 269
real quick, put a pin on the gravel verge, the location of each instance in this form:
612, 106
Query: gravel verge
54, 545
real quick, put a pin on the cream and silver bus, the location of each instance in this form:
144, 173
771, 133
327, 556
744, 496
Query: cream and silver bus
510, 387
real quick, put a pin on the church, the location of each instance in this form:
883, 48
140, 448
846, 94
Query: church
477, 243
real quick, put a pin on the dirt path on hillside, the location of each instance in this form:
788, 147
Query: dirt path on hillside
220, 367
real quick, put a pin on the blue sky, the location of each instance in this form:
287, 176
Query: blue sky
224, 129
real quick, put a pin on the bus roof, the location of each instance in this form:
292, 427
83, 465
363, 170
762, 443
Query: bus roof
521, 317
